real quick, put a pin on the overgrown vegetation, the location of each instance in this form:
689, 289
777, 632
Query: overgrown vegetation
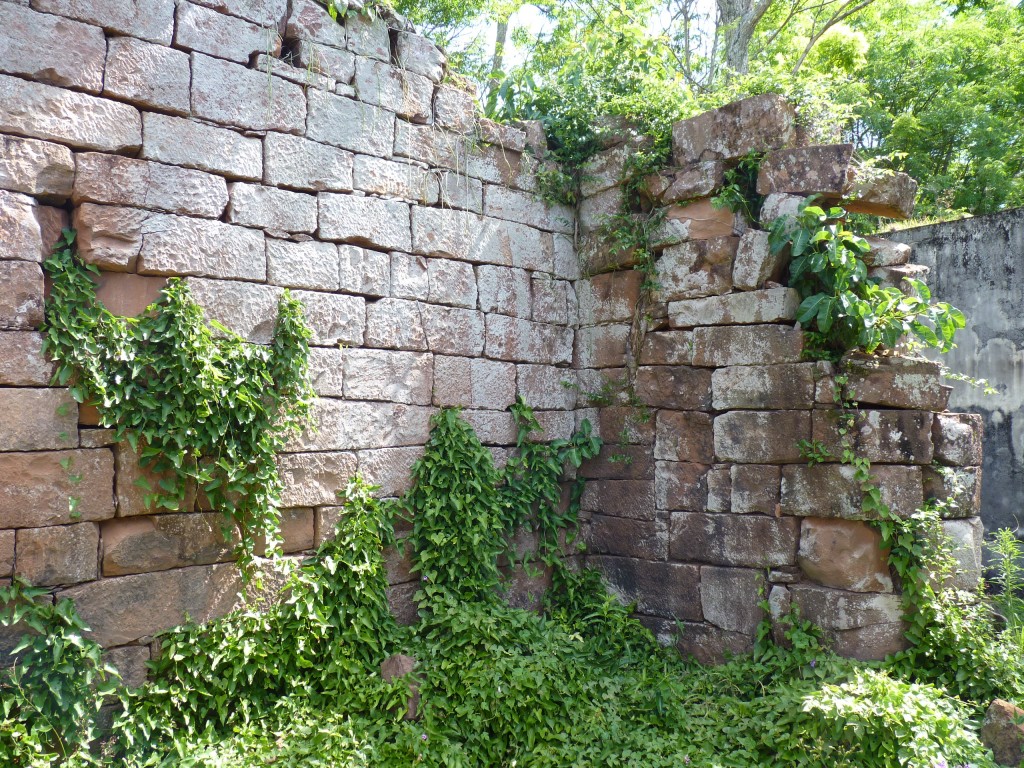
206, 413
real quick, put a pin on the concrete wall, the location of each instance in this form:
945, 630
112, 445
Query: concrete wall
976, 265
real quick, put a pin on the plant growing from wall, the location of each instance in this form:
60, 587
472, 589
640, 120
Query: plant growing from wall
205, 413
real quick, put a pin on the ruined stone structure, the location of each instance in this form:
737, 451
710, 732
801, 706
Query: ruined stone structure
256, 146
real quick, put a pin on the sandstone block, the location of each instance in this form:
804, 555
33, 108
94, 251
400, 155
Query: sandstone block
731, 598
754, 124
595, 213
885, 253
515, 205
830, 490
504, 290
834, 610
178, 245
960, 486
109, 238
965, 538
147, 75
695, 269
21, 295
228, 93
40, 488
625, 537
465, 236
308, 20
706, 643
38, 419
248, 309
22, 361
36, 168
719, 485
395, 179
133, 482
681, 486
306, 77
253, 205
604, 170
409, 277
546, 387
883, 437
389, 468
77, 119
336, 65
364, 271
130, 663
334, 318
523, 341
115, 180
161, 542
882, 193
126, 294
52, 49
493, 428
674, 386
697, 220
327, 371
399, 324
153, 21
124, 609
343, 425
721, 346
667, 348
551, 299
451, 282
871, 643
761, 437
684, 436
454, 331
774, 305
754, 488
266, 13
659, 589
696, 180
312, 479
60, 554
365, 221
622, 498
609, 298
192, 144
818, 170
350, 124
297, 163
1001, 732
502, 135
28, 231
777, 205
620, 462
311, 265
896, 277
564, 263
455, 109
845, 554
958, 439
460, 191
474, 383
399, 377
755, 264
368, 35
6, 554
896, 382
748, 541
226, 37
397, 90
601, 346
763, 387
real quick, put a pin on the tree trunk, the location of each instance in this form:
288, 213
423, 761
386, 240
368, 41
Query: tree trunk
737, 19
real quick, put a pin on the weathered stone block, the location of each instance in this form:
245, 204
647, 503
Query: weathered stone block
327, 371
130, 663
706, 643
192, 144
897, 277
60, 554
147, 75
503, 135
886, 253
774, 305
674, 386
763, 387
37, 419
620, 462
684, 436
761, 437
595, 213
882, 437
336, 65
609, 298
965, 539
309, 265
409, 277
124, 609
395, 179
179, 245
455, 109
721, 346
399, 324
28, 231
625, 537
77, 119
835, 610
396, 90
696, 220
871, 643
551, 300
697, 268
253, 205
493, 428
451, 282
754, 488
235, 95
523, 341
719, 485
659, 589
546, 387
51, 49
460, 191
308, 20
21, 295
831, 490
882, 193
504, 290
39, 488
667, 348
681, 486
474, 383
266, 13
307, 77
754, 124
525, 208
817, 170
152, 21
755, 264
297, 163
22, 362
334, 318
115, 180
845, 554
958, 439
621, 498
368, 35
418, 54
748, 541
161, 542
312, 479
226, 37
109, 238
601, 346
731, 598
350, 124
126, 294
389, 468
960, 486
248, 309
776, 206
896, 382
133, 482
399, 377
1002, 733
364, 271
343, 425
36, 168
696, 180
365, 221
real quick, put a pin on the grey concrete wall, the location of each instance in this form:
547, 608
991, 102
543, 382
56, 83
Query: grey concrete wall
978, 265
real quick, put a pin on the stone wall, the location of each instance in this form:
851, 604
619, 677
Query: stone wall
255, 146
975, 265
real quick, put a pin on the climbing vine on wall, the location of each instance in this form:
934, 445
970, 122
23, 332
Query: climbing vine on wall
206, 413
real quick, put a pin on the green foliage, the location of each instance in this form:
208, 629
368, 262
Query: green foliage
740, 194
841, 304
51, 696
202, 412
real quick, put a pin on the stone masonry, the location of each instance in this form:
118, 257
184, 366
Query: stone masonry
253, 147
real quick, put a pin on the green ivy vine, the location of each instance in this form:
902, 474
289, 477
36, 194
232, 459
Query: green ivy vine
206, 413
